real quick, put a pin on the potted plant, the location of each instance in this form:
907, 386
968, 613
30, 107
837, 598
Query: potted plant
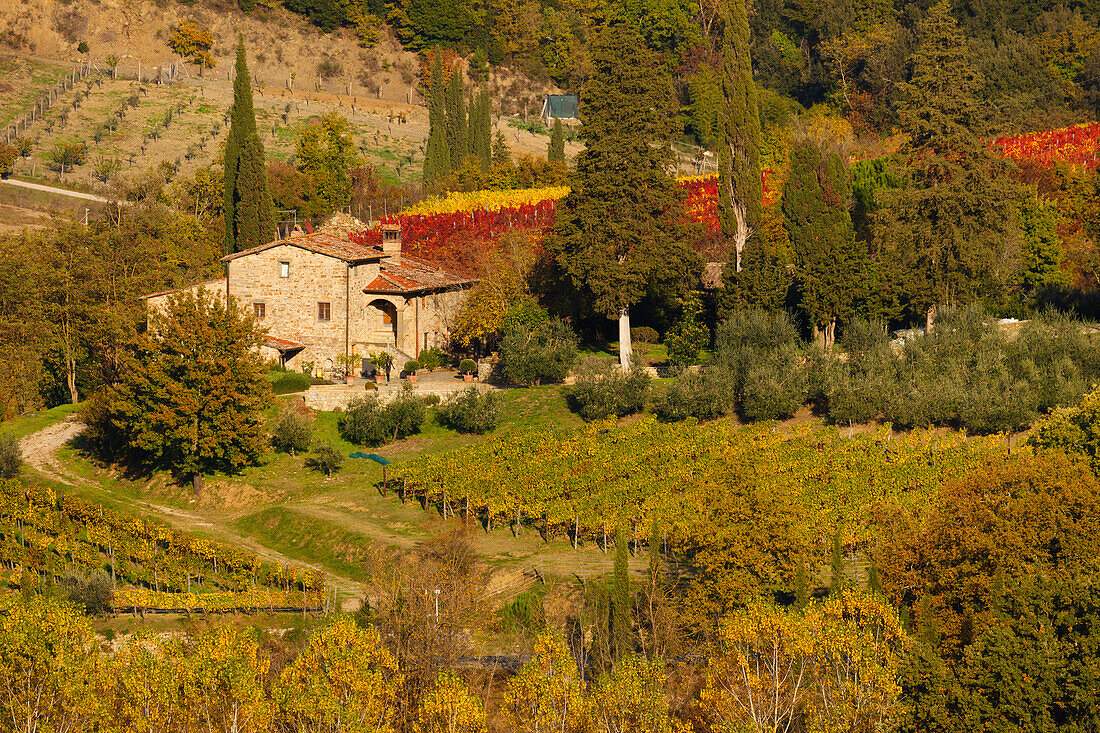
410, 370
349, 362
379, 361
468, 368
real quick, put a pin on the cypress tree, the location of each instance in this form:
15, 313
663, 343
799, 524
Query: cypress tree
555, 153
621, 606
801, 586
950, 227
481, 137
740, 190
249, 214
836, 565
828, 268
619, 233
456, 120
437, 156
502, 154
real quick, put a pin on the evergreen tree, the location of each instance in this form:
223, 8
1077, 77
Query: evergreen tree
456, 121
502, 154
838, 579
555, 153
828, 272
437, 156
619, 233
740, 189
481, 129
247, 209
950, 228
621, 631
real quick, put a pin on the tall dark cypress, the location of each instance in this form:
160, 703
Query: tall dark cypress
481, 135
249, 214
830, 269
739, 185
456, 120
619, 234
555, 153
621, 631
437, 156
950, 228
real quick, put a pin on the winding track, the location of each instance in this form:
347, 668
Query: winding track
39, 451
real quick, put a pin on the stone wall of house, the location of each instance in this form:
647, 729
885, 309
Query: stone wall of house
291, 303
159, 303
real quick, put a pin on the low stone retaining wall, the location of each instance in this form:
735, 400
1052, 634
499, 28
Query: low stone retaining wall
330, 396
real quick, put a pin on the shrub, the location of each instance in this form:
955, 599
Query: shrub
431, 400
775, 386
411, 366
94, 592
292, 433
8, 155
688, 336
289, 382
703, 395
11, 458
467, 366
406, 415
747, 336
325, 458
368, 421
644, 335
603, 389
545, 353
471, 411
433, 358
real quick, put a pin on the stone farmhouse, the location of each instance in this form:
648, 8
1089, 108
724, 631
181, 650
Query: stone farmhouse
326, 295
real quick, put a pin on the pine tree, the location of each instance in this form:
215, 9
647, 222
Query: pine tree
619, 233
555, 153
437, 156
456, 120
828, 267
248, 212
739, 186
950, 227
621, 605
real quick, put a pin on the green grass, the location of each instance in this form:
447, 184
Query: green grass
652, 353
31, 422
308, 539
21, 91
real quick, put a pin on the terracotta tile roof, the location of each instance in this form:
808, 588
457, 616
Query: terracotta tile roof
274, 342
414, 275
323, 243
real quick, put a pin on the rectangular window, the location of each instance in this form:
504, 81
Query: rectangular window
324, 312
284, 269
259, 310
387, 318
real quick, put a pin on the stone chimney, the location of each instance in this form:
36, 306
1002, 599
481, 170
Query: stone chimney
391, 242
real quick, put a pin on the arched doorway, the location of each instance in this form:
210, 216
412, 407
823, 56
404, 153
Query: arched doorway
383, 318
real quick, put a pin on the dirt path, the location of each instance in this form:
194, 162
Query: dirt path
39, 451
